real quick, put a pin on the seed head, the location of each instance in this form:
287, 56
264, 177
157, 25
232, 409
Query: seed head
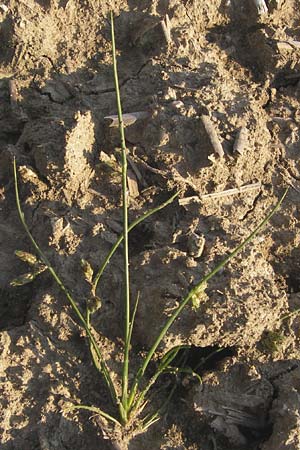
23, 279
26, 257
87, 270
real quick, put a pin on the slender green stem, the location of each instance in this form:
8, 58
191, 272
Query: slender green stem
133, 317
125, 226
204, 360
291, 314
104, 369
88, 317
188, 297
151, 419
121, 237
164, 364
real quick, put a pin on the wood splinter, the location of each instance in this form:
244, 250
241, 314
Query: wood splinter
212, 134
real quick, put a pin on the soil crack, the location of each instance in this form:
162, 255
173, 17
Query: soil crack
251, 209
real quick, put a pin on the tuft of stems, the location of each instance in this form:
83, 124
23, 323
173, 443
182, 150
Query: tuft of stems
131, 400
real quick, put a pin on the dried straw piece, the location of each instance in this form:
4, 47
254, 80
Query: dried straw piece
212, 134
128, 118
150, 168
261, 6
241, 141
166, 27
287, 45
234, 191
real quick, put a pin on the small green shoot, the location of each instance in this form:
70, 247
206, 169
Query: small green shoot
271, 341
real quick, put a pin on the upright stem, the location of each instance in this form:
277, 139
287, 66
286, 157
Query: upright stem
125, 228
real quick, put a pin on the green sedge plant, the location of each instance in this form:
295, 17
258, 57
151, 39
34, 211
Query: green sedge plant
129, 399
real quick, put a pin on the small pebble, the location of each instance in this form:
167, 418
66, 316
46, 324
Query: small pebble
241, 141
170, 94
177, 104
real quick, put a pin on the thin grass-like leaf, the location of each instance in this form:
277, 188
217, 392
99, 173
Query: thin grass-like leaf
150, 421
162, 368
291, 314
192, 292
152, 418
136, 222
44, 259
186, 370
96, 410
204, 360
